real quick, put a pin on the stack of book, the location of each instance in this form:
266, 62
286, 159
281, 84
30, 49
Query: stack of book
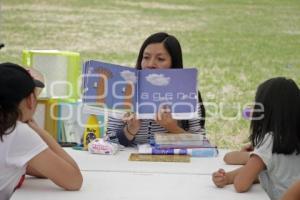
195, 145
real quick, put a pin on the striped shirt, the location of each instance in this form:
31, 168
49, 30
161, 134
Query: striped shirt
148, 128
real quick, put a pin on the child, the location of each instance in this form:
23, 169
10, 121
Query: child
25, 147
275, 136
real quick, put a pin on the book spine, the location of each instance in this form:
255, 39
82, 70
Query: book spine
199, 152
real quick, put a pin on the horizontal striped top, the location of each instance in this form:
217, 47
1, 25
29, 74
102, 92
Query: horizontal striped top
146, 132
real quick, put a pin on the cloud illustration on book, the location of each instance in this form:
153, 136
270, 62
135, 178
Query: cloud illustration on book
128, 76
158, 79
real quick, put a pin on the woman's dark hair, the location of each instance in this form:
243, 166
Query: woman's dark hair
171, 44
15, 84
280, 99
173, 47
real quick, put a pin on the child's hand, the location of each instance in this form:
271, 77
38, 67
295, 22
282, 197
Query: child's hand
219, 178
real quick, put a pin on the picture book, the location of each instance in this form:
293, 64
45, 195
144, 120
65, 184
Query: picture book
146, 92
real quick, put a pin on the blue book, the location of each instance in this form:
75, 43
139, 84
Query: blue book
114, 87
211, 151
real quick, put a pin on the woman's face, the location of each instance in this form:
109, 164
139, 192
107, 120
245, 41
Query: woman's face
156, 56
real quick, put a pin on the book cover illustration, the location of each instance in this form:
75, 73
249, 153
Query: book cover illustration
145, 92
109, 86
175, 89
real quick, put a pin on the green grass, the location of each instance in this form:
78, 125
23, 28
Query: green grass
236, 44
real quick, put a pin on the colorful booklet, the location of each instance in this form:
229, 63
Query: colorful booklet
114, 87
211, 151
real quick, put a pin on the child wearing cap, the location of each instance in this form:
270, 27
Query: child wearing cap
25, 148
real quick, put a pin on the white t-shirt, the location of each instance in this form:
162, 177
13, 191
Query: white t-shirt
16, 149
281, 170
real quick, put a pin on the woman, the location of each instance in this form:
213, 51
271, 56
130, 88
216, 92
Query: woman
159, 51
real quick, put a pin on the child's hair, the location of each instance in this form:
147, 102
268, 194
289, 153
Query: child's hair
15, 84
280, 98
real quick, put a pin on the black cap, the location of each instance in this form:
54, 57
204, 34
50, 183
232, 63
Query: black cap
16, 83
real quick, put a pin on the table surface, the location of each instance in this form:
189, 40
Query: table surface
113, 177
120, 163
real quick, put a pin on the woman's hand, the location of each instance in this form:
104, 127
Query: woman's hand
165, 120
132, 123
219, 178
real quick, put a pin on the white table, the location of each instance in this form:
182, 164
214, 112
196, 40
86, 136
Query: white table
113, 177
136, 186
120, 163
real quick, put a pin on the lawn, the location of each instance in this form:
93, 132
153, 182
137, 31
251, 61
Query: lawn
235, 44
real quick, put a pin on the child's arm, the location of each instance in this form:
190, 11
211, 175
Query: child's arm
222, 178
242, 178
248, 174
293, 193
54, 163
236, 157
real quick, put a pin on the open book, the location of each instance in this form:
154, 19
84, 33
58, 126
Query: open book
146, 92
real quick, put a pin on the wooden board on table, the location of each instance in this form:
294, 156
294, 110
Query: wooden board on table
159, 158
